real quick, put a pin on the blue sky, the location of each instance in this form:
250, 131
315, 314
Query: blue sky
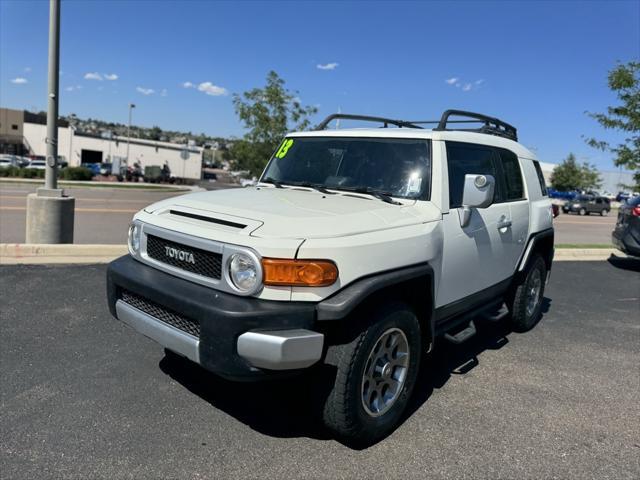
538, 65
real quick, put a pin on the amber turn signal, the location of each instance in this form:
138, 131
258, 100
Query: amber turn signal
305, 273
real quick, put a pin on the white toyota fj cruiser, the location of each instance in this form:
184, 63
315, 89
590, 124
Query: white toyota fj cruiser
356, 248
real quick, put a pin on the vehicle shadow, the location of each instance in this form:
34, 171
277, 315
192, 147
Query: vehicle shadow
288, 408
625, 263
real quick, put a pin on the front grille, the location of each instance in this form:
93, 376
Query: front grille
192, 327
194, 260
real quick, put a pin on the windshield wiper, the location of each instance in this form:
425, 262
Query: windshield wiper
384, 196
273, 181
315, 186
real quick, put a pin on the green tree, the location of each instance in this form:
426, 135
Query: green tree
268, 113
624, 81
570, 175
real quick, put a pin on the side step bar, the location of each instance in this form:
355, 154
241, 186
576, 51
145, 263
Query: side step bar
462, 335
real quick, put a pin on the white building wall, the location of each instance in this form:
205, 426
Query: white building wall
152, 153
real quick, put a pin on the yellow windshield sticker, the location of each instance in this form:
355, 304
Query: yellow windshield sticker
284, 148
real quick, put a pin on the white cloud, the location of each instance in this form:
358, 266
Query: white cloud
479, 82
467, 87
452, 80
19, 81
188, 85
92, 76
27, 69
145, 91
163, 92
211, 89
71, 88
327, 66
110, 76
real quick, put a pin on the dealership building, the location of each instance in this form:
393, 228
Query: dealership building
24, 133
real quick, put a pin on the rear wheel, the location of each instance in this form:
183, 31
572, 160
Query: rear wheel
604, 212
376, 373
525, 303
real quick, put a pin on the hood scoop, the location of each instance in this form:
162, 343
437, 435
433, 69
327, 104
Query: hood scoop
204, 218
211, 219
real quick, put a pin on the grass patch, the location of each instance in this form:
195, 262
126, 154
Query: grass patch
584, 245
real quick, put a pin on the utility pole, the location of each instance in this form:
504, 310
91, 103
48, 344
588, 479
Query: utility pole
49, 211
131, 107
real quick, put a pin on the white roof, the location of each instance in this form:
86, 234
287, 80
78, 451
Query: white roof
451, 135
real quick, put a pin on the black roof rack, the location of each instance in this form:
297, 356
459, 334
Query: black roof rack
491, 125
366, 118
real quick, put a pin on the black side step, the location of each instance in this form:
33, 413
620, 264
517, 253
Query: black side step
497, 315
462, 335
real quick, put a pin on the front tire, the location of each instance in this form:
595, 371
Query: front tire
376, 373
604, 212
582, 211
525, 303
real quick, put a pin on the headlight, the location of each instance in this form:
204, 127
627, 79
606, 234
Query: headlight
134, 239
243, 272
576, 205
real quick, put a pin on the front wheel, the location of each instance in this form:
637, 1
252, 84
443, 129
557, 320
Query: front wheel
604, 212
376, 373
582, 211
525, 303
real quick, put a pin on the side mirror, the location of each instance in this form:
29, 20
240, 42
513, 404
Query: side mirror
477, 193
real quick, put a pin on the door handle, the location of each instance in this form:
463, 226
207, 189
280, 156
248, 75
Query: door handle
504, 222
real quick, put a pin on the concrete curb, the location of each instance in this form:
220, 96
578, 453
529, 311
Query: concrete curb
34, 254
585, 254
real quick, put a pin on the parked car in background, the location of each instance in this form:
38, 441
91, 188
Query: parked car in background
623, 196
626, 235
105, 169
586, 204
7, 161
37, 164
93, 167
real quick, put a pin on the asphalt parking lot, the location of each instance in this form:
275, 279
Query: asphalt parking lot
83, 396
103, 215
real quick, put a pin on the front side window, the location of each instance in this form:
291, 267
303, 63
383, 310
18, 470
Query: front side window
395, 167
468, 159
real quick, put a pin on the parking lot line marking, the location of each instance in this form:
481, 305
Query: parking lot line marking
82, 210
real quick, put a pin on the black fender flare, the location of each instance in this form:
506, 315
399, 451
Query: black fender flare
342, 303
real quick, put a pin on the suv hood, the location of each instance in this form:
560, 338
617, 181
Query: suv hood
295, 213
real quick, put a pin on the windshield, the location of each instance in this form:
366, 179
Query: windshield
396, 167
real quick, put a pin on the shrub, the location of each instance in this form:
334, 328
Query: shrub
75, 173
30, 173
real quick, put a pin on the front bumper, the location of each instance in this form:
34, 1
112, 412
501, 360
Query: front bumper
236, 337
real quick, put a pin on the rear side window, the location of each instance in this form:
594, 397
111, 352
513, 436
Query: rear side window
543, 185
513, 187
467, 158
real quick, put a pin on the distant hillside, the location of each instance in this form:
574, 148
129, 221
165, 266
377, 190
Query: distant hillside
100, 127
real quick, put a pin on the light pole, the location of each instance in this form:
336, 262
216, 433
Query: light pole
49, 211
131, 107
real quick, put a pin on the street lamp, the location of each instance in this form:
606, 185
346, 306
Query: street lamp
131, 107
50, 213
